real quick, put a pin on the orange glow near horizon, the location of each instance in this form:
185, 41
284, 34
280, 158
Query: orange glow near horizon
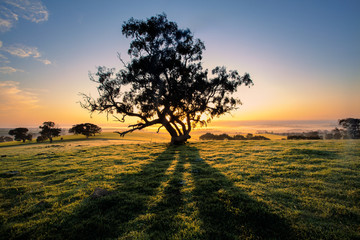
296, 77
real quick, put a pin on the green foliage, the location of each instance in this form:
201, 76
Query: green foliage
205, 190
87, 129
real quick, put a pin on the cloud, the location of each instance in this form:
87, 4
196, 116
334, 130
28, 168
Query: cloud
44, 61
3, 59
23, 51
13, 98
9, 70
12, 10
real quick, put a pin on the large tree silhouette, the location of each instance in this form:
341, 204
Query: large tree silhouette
164, 84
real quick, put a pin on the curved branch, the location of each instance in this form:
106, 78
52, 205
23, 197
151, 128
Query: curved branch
139, 126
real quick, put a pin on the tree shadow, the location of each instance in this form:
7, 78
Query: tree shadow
226, 211
164, 223
108, 216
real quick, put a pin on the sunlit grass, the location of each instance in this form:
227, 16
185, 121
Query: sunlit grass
111, 137
204, 190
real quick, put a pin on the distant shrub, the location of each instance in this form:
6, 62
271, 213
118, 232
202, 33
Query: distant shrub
305, 136
259, 138
40, 139
329, 136
210, 136
249, 136
6, 139
239, 137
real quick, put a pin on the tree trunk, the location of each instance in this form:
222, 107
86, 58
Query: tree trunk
178, 140
50, 139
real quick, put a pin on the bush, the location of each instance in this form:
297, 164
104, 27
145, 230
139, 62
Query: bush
305, 136
6, 139
210, 136
40, 139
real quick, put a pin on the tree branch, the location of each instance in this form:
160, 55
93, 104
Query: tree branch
138, 126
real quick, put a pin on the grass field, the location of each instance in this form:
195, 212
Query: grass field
202, 190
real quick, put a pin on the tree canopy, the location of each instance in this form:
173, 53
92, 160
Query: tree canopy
87, 129
20, 134
48, 131
352, 125
164, 83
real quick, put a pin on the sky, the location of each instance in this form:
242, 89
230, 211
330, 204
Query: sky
303, 56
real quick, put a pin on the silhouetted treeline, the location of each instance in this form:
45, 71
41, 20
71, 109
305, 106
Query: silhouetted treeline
313, 135
350, 130
249, 136
48, 132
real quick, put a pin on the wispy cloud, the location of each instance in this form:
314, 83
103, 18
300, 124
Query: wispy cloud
23, 51
44, 61
3, 59
9, 70
12, 10
13, 98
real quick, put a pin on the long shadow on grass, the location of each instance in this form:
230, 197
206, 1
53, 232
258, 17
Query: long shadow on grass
109, 216
164, 224
226, 211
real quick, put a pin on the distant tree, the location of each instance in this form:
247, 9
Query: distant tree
329, 136
312, 135
207, 136
164, 84
259, 137
337, 134
210, 136
239, 137
352, 126
87, 129
48, 131
249, 136
20, 134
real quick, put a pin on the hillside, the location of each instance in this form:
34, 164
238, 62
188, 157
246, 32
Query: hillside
203, 190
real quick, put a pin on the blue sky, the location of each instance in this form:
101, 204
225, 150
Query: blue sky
304, 56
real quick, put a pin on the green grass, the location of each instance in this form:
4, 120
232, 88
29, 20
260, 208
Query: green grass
203, 190
137, 137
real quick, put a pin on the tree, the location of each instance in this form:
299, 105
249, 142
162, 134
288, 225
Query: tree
352, 125
337, 134
20, 134
164, 84
49, 131
249, 136
87, 129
